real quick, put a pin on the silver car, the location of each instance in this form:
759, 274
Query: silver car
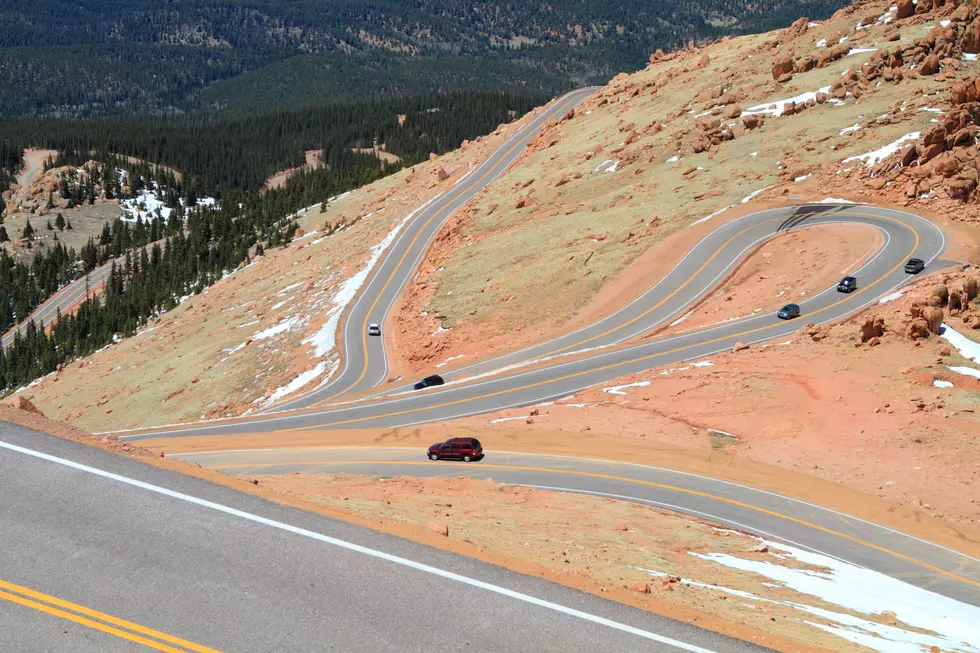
374, 329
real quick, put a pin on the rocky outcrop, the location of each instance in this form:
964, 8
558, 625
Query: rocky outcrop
872, 327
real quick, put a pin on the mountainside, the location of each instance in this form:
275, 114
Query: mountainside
94, 58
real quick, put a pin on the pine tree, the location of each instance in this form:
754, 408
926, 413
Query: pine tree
28, 233
3, 235
49, 227
59, 222
69, 225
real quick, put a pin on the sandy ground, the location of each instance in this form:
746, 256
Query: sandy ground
604, 545
33, 165
279, 179
253, 335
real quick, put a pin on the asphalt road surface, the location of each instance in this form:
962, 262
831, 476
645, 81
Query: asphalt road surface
770, 515
101, 553
594, 355
364, 362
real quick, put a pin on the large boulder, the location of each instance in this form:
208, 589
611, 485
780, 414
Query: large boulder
905, 8
872, 327
917, 329
971, 37
781, 66
933, 317
938, 295
931, 64
970, 287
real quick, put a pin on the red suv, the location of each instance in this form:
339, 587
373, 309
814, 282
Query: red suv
465, 449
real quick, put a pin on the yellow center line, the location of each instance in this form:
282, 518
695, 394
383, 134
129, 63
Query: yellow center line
408, 250
654, 484
80, 615
640, 359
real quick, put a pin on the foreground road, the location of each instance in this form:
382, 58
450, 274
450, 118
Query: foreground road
770, 515
557, 373
102, 553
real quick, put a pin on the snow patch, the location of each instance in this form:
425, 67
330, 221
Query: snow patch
780, 105
703, 364
303, 379
835, 200
609, 165
852, 128
822, 43
281, 327
748, 197
892, 297
618, 389
939, 621
681, 318
967, 348
939, 383
873, 157
968, 371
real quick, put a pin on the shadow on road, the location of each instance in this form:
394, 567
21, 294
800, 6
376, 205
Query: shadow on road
803, 212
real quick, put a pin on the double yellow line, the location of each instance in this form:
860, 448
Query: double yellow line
635, 481
96, 620
555, 110
610, 366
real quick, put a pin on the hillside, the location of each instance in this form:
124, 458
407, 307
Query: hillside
605, 198
96, 58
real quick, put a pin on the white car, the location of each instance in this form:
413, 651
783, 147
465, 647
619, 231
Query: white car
374, 329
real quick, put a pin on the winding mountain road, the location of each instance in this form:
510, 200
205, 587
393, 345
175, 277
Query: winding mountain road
228, 571
609, 348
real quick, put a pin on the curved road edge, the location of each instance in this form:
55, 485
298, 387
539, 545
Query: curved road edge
759, 512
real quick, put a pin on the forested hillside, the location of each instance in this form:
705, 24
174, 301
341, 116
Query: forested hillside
105, 57
242, 151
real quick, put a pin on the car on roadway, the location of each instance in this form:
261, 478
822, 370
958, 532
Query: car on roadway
847, 284
465, 449
374, 329
915, 266
429, 381
788, 312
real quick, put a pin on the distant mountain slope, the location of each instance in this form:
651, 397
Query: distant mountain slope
117, 56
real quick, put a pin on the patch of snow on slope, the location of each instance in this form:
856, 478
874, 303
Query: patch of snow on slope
780, 105
303, 379
854, 127
858, 51
276, 329
822, 43
967, 348
892, 297
939, 383
968, 371
748, 197
835, 200
618, 389
873, 157
948, 624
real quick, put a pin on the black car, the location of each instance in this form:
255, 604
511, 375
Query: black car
788, 312
847, 284
429, 381
915, 266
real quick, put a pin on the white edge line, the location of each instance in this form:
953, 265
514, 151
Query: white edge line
405, 562
181, 456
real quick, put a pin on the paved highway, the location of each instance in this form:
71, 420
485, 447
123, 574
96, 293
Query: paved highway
602, 354
364, 362
101, 553
771, 515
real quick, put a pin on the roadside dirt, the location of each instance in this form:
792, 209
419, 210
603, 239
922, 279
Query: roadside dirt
33, 165
279, 179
